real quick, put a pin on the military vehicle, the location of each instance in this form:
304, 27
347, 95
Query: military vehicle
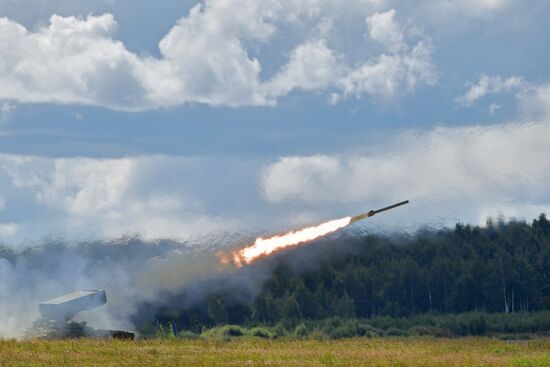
56, 315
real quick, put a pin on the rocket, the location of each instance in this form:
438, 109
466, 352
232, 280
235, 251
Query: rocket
268, 245
368, 214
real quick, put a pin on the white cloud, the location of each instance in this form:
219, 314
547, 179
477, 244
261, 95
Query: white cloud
489, 85
390, 74
471, 167
106, 197
2, 202
456, 14
384, 29
204, 59
6, 110
449, 173
72, 60
312, 66
534, 101
493, 108
476, 7
8, 230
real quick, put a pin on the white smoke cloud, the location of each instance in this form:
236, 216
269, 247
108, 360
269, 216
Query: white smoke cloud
130, 270
205, 58
500, 166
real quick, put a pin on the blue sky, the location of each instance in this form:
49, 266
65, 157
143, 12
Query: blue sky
186, 119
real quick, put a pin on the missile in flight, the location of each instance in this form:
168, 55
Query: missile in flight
371, 213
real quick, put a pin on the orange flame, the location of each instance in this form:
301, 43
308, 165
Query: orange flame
266, 246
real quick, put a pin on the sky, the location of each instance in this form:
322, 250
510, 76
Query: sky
187, 119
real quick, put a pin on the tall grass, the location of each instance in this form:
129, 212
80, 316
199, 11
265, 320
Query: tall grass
279, 352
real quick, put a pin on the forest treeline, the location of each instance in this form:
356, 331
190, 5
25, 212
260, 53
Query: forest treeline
503, 267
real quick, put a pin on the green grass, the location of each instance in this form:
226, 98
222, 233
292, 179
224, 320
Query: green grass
279, 352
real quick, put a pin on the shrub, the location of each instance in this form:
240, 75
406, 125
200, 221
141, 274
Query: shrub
261, 332
369, 331
188, 335
301, 331
227, 331
384, 322
318, 334
279, 330
477, 325
166, 331
232, 330
513, 337
393, 331
421, 330
346, 329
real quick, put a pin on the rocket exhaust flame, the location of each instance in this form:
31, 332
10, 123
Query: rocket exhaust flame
266, 246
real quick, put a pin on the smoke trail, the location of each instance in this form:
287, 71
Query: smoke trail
132, 272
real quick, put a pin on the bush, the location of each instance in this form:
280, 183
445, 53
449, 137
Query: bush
421, 330
166, 331
232, 330
477, 325
261, 332
383, 323
346, 329
393, 331
318, 334
301, 331
187, 335
513, 337
227, 331
369, 331
279, 330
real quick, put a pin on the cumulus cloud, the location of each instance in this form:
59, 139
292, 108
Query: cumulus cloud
205, 58
534, 101
105, 197
73, 60
384, 29
312, 66
476, 167
388, 74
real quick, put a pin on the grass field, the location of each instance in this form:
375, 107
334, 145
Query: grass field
254, 352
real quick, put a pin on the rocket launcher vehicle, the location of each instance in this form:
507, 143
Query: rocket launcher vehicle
368, 214
56, 315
